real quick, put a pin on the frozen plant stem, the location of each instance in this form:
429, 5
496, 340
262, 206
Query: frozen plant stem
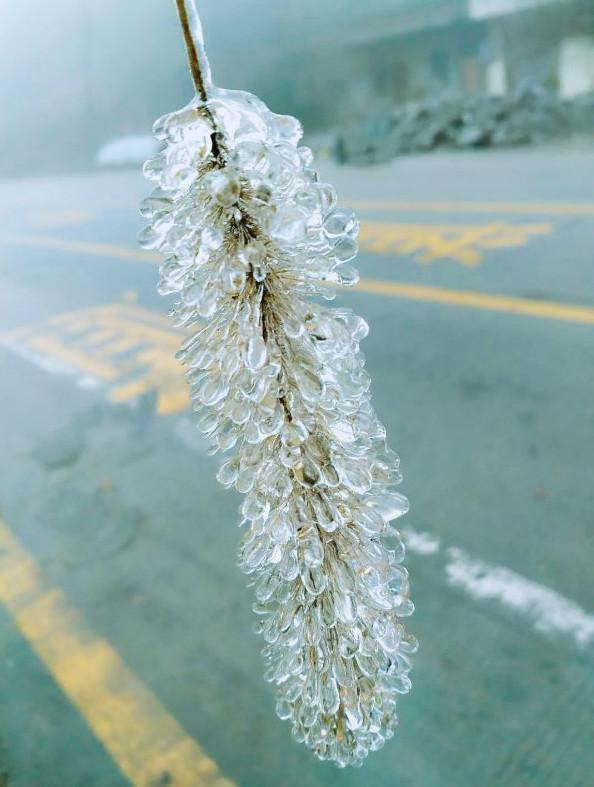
250, 235
192, 49
196, 53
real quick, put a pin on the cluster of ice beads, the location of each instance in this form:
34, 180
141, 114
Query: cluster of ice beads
249, 232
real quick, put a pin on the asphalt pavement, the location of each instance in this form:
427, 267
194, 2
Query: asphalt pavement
126, 645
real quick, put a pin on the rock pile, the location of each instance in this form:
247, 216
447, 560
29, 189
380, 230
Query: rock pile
529, 115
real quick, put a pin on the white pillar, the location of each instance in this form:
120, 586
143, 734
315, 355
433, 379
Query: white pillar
496, 77
576, 66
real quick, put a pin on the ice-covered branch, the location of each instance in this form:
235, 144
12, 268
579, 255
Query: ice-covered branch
254, 243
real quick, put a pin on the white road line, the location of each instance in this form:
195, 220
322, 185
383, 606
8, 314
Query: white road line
51, 364
420, 542
547, 611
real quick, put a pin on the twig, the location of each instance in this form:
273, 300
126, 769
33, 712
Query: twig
193, 59
197, 61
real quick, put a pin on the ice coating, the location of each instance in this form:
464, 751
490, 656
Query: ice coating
249, 237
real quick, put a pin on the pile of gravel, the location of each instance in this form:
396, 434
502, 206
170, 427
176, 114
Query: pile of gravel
529, 115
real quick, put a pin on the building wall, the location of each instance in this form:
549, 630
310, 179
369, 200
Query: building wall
536, 48
497, 47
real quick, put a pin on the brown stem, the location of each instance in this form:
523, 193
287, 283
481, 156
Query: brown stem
193, 60
196, 70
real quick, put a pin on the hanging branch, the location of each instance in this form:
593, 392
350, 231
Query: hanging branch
249, 237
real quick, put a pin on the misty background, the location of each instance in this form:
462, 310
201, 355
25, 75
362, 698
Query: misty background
76, 73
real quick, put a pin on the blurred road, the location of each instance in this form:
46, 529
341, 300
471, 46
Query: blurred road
125, 627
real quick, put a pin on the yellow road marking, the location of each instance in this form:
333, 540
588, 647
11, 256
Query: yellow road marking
49, 345
461, 242
430, 241
476, 300
520, 208
138, 352
144, 740
84, 247
131, 348
143, 315
61, 218
148, 346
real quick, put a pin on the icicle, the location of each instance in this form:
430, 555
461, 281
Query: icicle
250, 234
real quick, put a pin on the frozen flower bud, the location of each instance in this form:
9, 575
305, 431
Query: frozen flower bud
252, 258
263, 194
223, 186
259, 273
234, 276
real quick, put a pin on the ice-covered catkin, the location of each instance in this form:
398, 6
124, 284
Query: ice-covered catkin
249, 235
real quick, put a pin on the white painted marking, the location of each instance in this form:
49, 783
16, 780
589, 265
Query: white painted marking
547, 611
420, 542
88, 383
53, 365
46, 362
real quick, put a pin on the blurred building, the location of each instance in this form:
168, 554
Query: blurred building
549, 41
423, 49
76, 74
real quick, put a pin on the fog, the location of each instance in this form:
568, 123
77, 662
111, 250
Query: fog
75, 72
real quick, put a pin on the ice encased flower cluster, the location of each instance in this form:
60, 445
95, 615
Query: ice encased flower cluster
249, 232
